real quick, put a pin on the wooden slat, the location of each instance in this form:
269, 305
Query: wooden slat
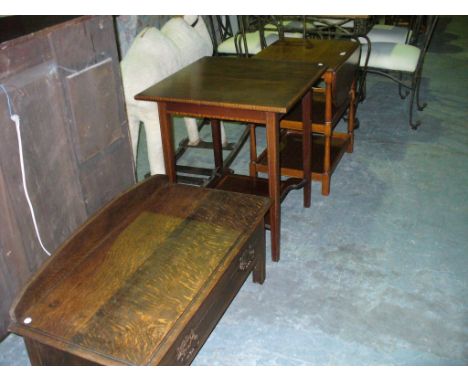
64, 190
96, 118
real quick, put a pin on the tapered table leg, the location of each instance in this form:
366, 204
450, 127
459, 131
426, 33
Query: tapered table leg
253, 151
165, 121
272, 135
217, 144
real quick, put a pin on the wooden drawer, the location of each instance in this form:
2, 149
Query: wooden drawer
195, 334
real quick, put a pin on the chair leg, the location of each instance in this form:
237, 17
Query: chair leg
362, 87
351, 118
400, 87
418, 86
414, 125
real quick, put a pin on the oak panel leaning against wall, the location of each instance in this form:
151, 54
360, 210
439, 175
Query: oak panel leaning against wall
64, 83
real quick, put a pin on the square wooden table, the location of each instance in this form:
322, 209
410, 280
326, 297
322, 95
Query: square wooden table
237, 89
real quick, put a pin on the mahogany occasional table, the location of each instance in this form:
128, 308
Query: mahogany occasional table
237, 89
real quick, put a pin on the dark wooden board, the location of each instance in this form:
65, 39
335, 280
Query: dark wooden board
96, 118
68, 179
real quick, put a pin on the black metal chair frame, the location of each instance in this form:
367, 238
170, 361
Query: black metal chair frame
413, 85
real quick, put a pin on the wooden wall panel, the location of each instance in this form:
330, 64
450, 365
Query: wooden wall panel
96, 118
72, 170
107, 175
14, 270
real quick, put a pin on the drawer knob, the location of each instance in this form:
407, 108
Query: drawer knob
187, 347
247, 258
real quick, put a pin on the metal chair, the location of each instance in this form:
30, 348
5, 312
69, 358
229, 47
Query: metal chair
404, 60
250, 38
396, 34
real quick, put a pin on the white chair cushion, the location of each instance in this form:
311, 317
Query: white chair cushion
253, 43
385, 55
387, 33
293, 35
298, 24
331, 22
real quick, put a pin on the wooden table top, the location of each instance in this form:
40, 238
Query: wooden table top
128, 280
236, 82
331, 53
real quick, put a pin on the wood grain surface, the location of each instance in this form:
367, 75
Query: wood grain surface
148, 262
238, 83
331, 53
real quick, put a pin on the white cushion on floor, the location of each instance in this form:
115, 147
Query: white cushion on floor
385, 55
253, 43
387, 33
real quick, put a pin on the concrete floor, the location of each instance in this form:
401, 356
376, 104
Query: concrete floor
377, 272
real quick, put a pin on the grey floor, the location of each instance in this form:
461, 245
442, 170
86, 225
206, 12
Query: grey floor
377, 272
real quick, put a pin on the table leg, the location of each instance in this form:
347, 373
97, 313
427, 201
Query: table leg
306, 146
217, 145
253, 151
165, 121
272, 135
259, 271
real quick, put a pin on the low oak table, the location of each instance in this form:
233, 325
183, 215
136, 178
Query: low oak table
237, 89
145, 281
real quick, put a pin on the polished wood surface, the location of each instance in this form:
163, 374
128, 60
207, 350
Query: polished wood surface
239, 89
330, 53
146, 280
238, 83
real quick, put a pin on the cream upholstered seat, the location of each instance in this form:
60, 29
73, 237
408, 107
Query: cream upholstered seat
388, 33
389, 56
253, 43
344, 23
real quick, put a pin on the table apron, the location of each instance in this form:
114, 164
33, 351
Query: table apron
216, 112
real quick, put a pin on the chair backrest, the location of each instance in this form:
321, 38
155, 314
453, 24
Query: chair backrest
425, 40
221, 29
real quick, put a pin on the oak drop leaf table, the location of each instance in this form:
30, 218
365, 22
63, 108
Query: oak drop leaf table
145, 281
237, 89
